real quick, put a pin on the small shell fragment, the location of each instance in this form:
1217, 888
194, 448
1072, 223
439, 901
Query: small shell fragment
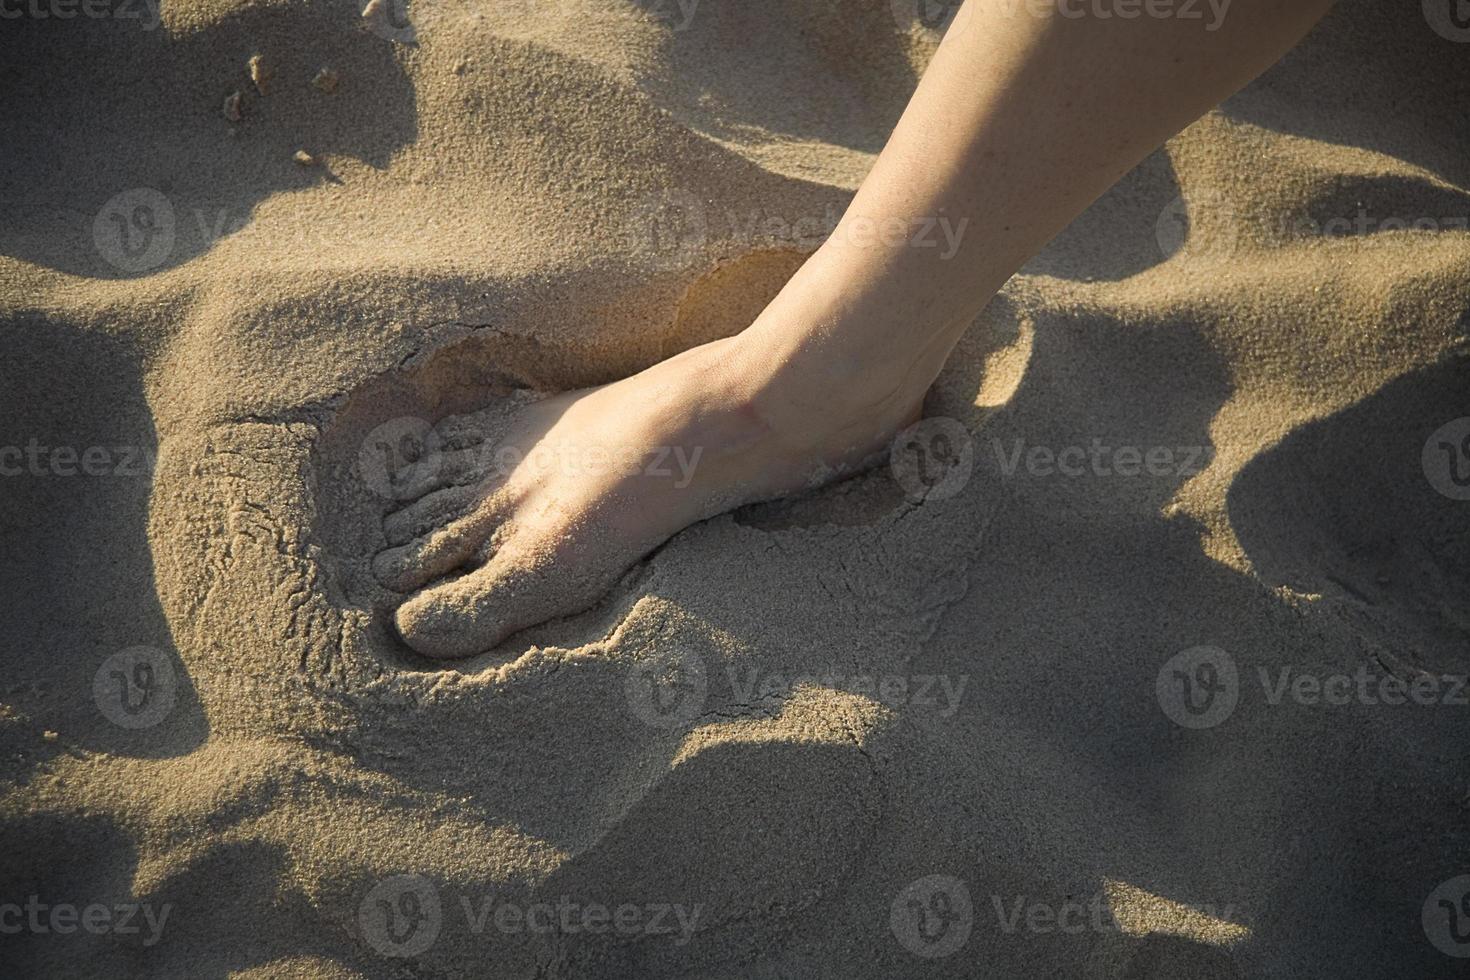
325, 81
259, 74
389, 23
304, 158
232, 107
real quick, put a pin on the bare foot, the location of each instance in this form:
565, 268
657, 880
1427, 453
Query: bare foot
585, 483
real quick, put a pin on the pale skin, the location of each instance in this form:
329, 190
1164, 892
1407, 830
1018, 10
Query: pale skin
1026, 114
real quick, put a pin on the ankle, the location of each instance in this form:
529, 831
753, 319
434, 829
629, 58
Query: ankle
807, 393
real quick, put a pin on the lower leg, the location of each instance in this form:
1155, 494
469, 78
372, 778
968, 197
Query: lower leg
1023, 118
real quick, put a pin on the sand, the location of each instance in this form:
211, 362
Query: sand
870, 732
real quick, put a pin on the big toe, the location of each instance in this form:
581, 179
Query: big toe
472, 614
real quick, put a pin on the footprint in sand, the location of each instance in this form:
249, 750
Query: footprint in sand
1353, 508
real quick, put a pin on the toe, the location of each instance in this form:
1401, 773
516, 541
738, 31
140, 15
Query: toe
461, 431
434, 555
433, 510
444, 468
472, 614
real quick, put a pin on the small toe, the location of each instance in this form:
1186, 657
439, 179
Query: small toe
461, 431
445, 468
434, 555
433, 510
472, 614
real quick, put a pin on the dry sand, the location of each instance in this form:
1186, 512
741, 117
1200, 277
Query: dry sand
552, 194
